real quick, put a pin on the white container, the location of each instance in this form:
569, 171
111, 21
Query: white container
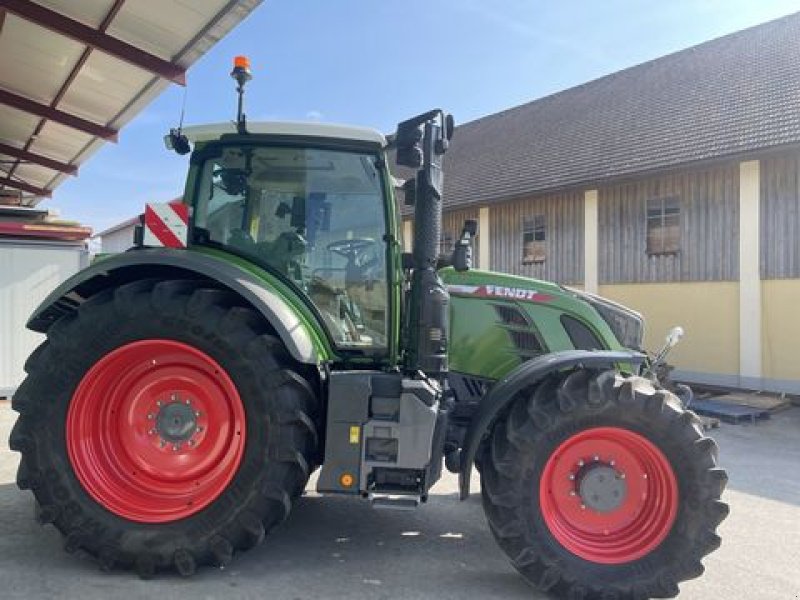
29, 270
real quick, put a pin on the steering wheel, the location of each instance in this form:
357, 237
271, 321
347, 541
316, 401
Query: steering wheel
350, 248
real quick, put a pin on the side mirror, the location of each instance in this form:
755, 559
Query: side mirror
470, 227
410, 192
674, 336
449, 126
408, 141
178, 142
462, 253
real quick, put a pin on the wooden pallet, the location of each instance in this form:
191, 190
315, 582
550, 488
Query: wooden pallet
728, 412
766, 402
709, 422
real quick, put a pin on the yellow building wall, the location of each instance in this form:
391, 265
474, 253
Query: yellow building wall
780, 328
708, 312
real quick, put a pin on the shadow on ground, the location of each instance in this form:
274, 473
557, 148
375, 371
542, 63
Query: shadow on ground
329, 548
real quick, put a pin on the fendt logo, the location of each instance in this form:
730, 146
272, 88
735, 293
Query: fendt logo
499, 291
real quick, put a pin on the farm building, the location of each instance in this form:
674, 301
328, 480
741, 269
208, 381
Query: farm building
119, 237
672, 186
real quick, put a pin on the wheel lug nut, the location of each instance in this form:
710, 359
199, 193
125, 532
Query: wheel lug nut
158, 402
151, 416
190, 442
581, 463
188, 401
176, 447
583, 507
163, 443
572, 492
174, 397
198, 429
197, 413
596, 458
152, 432
644, 475
571, 477
613, 462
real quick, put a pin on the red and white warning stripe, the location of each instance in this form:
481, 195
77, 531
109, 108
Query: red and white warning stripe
166, 224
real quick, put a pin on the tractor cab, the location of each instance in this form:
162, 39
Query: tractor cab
309, 204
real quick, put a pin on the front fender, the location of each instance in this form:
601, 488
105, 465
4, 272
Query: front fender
528, 373
158, 262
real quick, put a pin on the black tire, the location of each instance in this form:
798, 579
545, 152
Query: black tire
514, 457
279, 403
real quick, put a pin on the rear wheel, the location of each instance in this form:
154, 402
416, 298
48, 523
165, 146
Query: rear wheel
600, 486
162, 426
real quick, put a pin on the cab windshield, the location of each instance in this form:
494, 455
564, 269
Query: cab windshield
317, 217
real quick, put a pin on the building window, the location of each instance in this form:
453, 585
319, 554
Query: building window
534, 240
663, 225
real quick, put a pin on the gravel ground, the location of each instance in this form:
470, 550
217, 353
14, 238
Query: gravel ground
341, 548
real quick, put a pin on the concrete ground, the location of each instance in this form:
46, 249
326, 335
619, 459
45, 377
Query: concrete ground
342, 548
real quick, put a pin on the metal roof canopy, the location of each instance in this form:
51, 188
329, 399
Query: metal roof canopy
73, 74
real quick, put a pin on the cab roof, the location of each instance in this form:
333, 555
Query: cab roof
213, 131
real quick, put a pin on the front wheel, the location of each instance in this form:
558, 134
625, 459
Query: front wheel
601, 486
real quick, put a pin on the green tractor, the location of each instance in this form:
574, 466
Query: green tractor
271, 324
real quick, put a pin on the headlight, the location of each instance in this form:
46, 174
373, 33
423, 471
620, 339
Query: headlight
627, 324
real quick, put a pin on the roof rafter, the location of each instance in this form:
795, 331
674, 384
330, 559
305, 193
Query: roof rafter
59, 116
96, 39
25, 187
21, 154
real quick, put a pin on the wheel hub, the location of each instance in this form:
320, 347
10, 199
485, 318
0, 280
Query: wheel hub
601, 488
176, 422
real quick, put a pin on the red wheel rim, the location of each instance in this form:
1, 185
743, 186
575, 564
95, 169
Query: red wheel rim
608, 495
155, 431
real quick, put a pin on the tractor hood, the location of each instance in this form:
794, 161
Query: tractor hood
498, 321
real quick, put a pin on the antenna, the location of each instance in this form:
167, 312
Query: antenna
241, 73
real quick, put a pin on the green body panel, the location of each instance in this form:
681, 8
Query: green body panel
481, 344
306, 317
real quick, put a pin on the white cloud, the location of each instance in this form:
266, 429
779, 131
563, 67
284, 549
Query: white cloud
314, 115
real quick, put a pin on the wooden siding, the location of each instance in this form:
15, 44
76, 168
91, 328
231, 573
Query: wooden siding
709, 229
564, 219
453, 223
780, 217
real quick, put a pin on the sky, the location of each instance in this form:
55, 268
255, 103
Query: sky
375, 63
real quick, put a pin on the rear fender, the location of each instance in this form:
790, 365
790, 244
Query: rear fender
156, 262
527, 374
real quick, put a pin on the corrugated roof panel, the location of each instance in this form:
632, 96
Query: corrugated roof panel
103, 87
33, 174
59, 141
89, 13
15, 126
35, 60
36, 63
163, 28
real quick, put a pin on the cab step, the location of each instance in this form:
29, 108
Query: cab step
394, 502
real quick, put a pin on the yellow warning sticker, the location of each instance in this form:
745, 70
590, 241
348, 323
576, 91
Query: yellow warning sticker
355, 434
